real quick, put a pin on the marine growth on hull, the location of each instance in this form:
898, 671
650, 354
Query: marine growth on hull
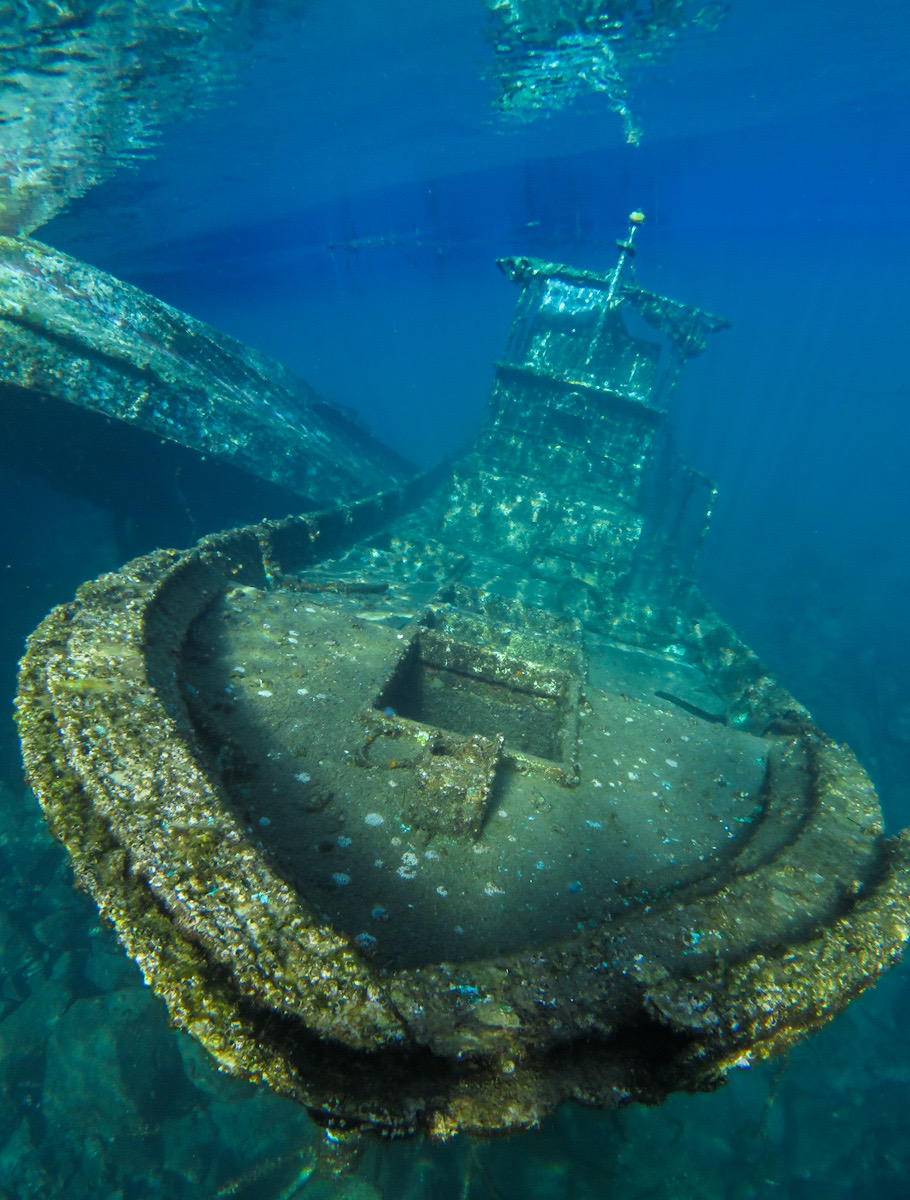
436, 809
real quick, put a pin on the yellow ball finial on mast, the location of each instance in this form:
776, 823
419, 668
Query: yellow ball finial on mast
626, 250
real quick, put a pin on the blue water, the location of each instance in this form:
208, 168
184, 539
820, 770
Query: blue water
340, 206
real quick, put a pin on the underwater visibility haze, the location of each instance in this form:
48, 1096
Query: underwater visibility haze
473, 697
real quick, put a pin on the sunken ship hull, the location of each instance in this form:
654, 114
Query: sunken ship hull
435, 809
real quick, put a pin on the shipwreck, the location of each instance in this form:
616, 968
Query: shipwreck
438, 806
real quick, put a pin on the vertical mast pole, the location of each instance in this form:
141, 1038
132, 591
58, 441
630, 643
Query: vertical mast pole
626, 251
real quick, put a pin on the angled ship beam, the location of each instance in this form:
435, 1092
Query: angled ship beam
83, 351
